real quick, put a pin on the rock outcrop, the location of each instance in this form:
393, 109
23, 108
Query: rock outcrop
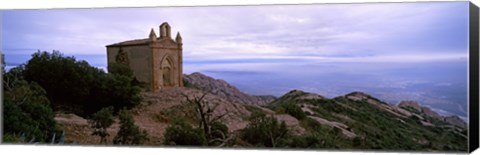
361, 96
430, 113
455, 120
427, 112
296, 96
223, 89
411, 104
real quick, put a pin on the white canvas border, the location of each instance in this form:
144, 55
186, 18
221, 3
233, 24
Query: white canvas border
72, 150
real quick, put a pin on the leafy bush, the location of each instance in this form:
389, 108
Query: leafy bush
120, 69
218, 126
264, 130
187, 84
129, 133
294, 110
100, 121
12, 138
182, 133
65, 79
75, 86
306, 141
310, 124
26, 109
119, 92
32, 119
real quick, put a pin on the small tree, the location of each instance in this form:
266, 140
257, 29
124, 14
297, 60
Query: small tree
215, 131
129, 133
100, 121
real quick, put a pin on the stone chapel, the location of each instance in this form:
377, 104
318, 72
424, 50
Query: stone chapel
156, 61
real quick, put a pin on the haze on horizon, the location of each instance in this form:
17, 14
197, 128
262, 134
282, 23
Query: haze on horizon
394, 51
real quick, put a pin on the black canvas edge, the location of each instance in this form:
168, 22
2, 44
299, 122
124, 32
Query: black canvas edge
2, 59
473, 78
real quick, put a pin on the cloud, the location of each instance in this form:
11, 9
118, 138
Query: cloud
364, 37
250, 31
393, 58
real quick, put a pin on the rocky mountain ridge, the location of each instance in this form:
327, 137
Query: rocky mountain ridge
222, 88
358, 115
414, 106
231, 93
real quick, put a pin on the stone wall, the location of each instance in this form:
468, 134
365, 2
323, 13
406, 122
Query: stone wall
140, 60
166, 51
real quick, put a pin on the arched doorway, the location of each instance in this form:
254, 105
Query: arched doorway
167, 72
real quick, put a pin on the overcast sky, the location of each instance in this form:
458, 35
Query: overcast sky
399, 32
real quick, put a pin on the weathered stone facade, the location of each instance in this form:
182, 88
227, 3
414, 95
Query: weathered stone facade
156, 61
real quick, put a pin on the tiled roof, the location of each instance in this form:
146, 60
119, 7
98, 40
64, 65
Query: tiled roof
131, 42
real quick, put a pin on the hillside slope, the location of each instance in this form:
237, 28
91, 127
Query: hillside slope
352, 121
159, 109
374, 124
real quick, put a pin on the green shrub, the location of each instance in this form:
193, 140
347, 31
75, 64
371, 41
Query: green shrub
12, 138
65, 79
26, 109
129, 133
187, 84
33, 120
119, 69
264, 130
294, 110
100, 121
220, 131
306, 141
310, 124
75, 86
182, 133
